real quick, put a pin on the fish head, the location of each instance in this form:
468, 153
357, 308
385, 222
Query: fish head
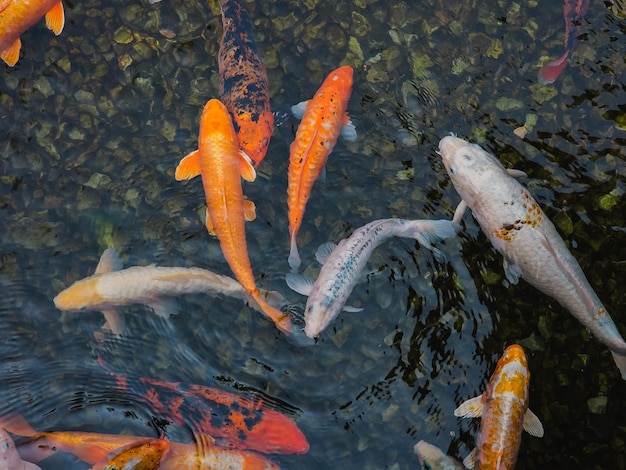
81, 295
275, 433
511, 375
9, 458
216, 123
432, 458
319, 313
471, 169
340, 79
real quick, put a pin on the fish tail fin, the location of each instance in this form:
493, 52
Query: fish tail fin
551, 71
16, 424
431, 231
294, 256
281, 320
620, 362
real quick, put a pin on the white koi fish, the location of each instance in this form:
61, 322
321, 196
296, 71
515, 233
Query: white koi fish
112, 287
503, 408
529, 242
9, 457
342, 265
432, 458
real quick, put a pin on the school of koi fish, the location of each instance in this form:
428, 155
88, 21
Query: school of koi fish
233, 431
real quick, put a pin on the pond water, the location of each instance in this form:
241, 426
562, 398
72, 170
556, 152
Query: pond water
94, 122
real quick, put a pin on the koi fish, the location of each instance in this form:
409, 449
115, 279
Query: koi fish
432, 458
9, 457
504, 411
342, 265
142, 455
94, 448
221, 165
244, 87
323, 118
523, 234
235, 421
112, 287
573, 12
16, 16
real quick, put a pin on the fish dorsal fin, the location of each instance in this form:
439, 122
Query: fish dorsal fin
299, 109
299, 283
209, 222
324, 251
516, 173
109, 261
470, 460
472, 408
188, 167
12, 53
55, 18
348, 131
164, 307
249, 210
114, 321
512, 271
246, 167
532, 424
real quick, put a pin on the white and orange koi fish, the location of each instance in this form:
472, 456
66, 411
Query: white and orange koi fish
324, 118
112, 287
529, 242
221, 164
503, 409
343, 264
16, 16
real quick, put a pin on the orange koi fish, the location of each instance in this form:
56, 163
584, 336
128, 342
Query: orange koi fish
573, 12
323, 118
94, 448
235, 421
16, 16
244, 86
221, 165
504, 410
142, 455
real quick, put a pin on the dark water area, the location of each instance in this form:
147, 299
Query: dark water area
93, 123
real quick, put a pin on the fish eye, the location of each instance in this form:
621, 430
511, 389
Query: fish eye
81, 307
451, 170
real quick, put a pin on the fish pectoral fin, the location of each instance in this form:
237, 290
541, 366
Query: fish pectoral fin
249, 210
299, 109
470, 460
246, 167
109, 261
188, 167
348, 131
114, 321
324, 251
11, 54
299, 283
459, 212
29, 466
209, 222
532, 424
348, 308
164, 307
55, 18
472, 408
512, 271
516, 173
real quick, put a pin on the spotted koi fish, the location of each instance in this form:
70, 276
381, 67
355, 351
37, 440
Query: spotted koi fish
573, 12
504, 411
234, 421
528, 240
244, 87
16, 16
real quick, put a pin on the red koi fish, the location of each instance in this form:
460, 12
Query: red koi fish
16, 16
573, 12
324, 118
221, 165
504, 410
94, 448
244, 86
236, 422
142, 455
